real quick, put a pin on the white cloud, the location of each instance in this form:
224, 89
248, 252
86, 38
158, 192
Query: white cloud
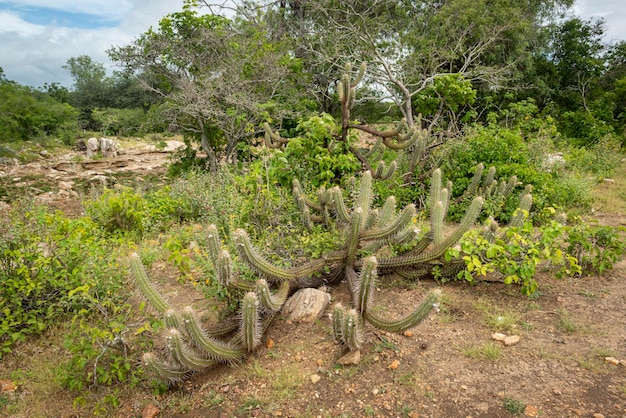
12, 23
34, 54
612, 11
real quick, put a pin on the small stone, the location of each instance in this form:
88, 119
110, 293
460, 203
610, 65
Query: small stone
531, 411
463, 387
351, 358
7, 386
320, 362
609, 181
622, 362
269, 343
408, 334
150, 411
498, 336
394, 365
557, 392
375, 391
611, 360
511, 340
596, 415
315, 378
387, 406
298, 358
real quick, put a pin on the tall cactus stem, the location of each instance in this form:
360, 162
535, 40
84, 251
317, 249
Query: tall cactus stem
145, 286
250, 322
437, 222
352, 332
366, 285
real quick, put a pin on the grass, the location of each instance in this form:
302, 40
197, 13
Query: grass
565, 323
485, 351
514, 406
496, 318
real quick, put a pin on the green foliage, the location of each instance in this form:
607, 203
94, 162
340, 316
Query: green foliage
122, 122
27, 114
99, 352
513, 153
315, 155
48, 264
596, 248
451, 90
517, 253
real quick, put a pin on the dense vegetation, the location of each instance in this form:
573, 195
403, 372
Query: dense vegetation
501, 118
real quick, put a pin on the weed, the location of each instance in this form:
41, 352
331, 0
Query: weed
369, 411
248, 405
213, 399
285, 382
514, 406
405, 411
385, 344
502, 321
407, 379
484, 351
565, 322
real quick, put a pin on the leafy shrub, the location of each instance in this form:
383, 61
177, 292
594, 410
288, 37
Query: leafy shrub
47, 263
314, 157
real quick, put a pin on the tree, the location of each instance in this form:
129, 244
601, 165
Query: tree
409, 44
91, 85
219, 78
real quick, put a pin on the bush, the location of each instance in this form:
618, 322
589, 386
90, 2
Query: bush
48, 263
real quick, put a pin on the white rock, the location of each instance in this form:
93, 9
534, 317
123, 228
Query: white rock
498, 336
611, 360
511, 340
315, 378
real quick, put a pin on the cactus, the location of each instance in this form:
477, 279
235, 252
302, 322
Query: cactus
250, 322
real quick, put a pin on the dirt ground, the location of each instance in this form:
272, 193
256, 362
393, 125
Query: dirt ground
570, 359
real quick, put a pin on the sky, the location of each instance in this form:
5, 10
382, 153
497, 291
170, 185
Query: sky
37, 37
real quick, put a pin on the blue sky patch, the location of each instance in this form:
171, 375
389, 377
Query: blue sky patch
46, 16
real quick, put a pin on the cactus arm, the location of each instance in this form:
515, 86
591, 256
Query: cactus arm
340, 205
250, 322
214, 349
145, 286
338, 319
164, 372
402, 145
408, 321
521, 213
365, 285
352, 243
352, 333
365, 198
400, 223
272, 302
183, 355
249, 254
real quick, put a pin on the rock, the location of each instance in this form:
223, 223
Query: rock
93, 145
315, 378
7, 386
511, 340
531, 411
498, 336
306, 305
598, 415
66, 185
622, 362
351, 359
375, 391
108, 147
394, 365
611, 360
100, 179
173, 145
609, 181
150, 411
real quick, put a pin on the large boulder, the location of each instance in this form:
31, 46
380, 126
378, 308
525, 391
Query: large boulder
108, 147
306, 305
93, 146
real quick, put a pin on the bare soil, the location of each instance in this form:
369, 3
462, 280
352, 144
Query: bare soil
448, 366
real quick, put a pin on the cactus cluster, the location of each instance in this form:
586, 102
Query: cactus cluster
365, 230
